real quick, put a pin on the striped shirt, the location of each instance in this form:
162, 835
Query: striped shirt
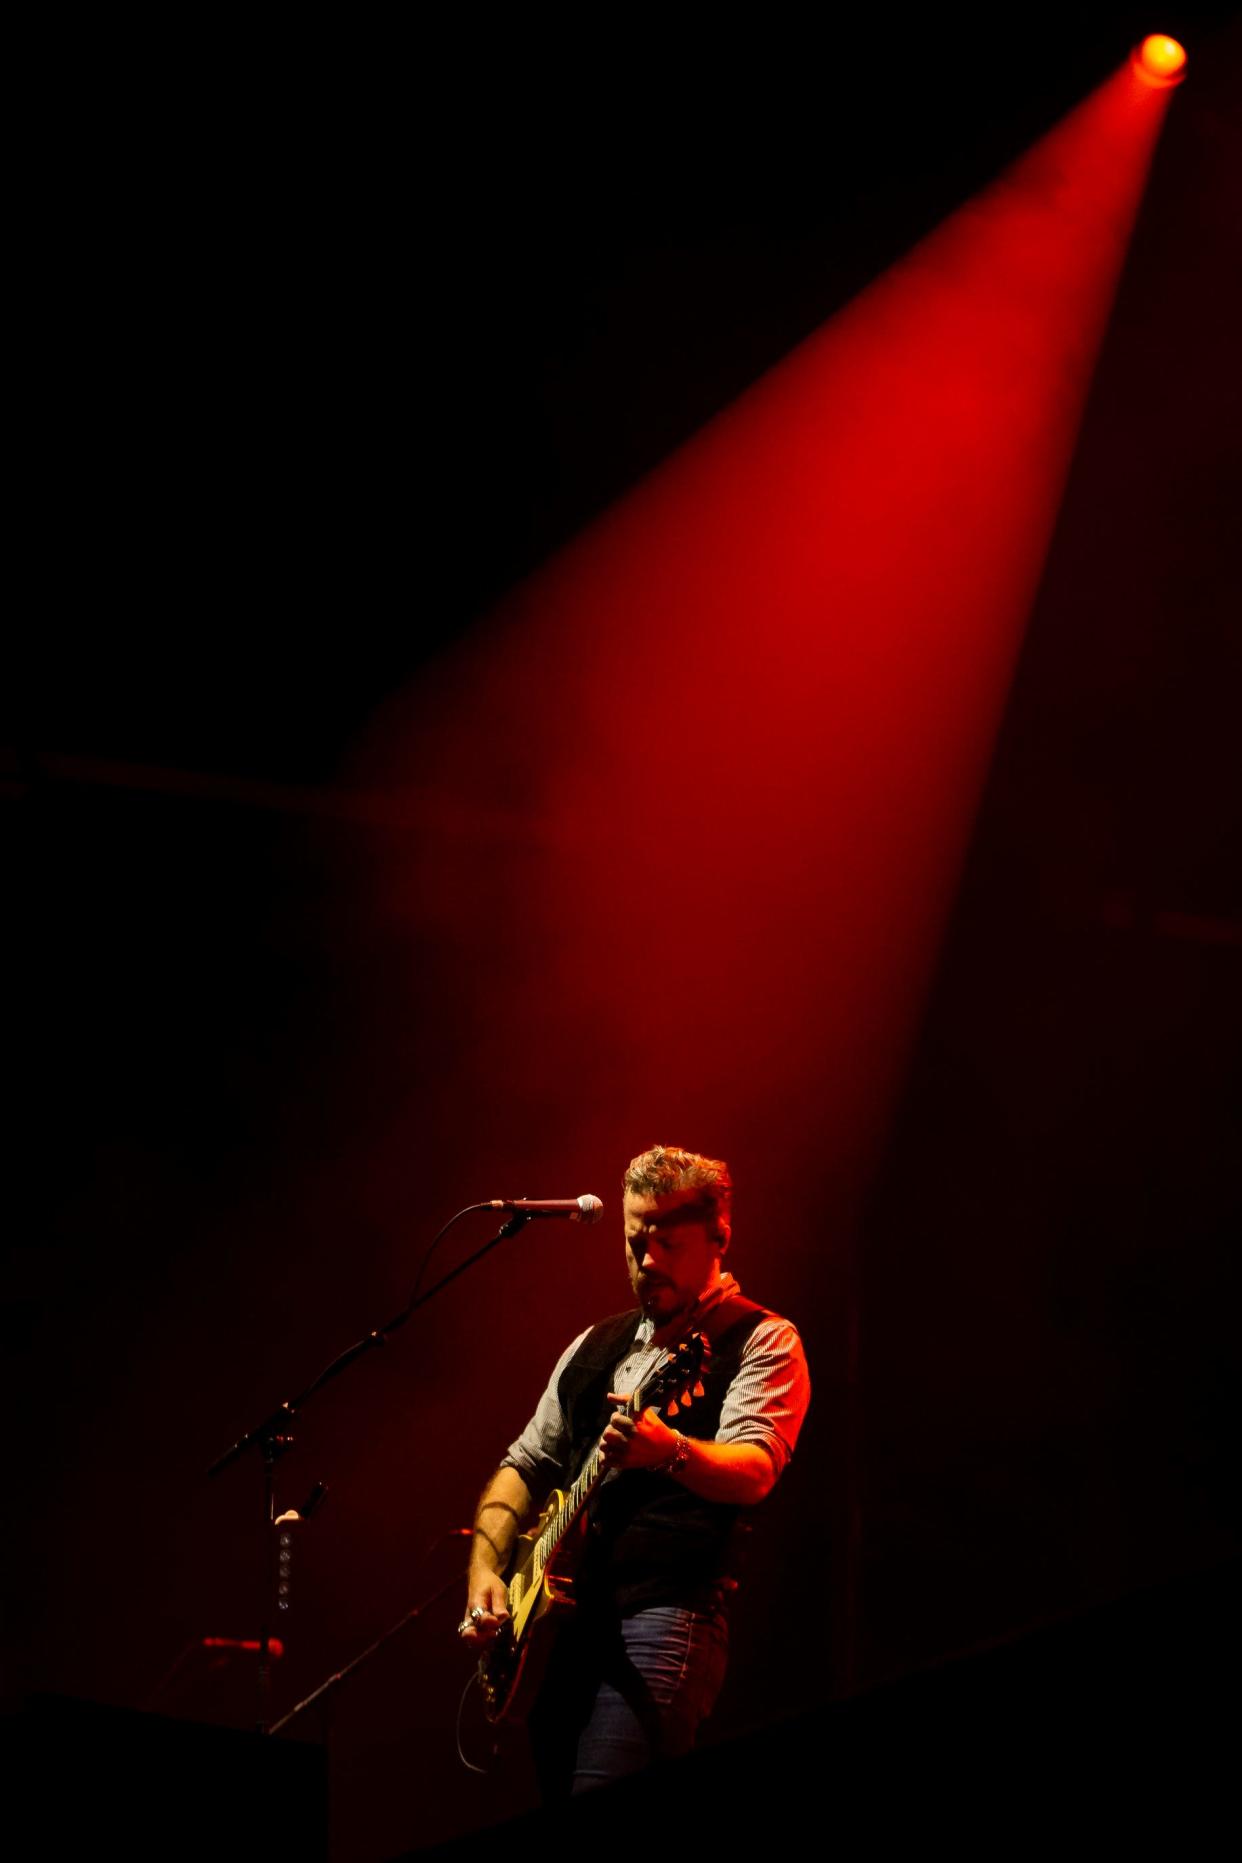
764, 1404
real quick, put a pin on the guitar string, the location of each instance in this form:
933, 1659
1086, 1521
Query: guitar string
658, 1372
556, 1528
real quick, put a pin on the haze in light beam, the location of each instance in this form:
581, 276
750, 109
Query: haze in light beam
724, 752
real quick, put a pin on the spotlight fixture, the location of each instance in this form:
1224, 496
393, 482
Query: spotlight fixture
1160, 61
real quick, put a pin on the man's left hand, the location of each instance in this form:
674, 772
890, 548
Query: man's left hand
635, 1442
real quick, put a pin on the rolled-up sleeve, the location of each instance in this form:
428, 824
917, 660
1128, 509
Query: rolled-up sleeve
768, 1397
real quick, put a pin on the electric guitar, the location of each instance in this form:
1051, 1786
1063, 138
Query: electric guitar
540, 1572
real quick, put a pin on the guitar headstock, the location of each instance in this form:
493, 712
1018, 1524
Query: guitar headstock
678, 1379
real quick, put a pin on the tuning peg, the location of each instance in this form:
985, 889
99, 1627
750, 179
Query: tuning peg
698, 1390
672, 1407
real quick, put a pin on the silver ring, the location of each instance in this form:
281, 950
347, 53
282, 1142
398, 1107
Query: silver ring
463, 1626
477, 1614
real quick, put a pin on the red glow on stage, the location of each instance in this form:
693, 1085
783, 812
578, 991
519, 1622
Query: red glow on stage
251, 1645
1160, 61
707, 782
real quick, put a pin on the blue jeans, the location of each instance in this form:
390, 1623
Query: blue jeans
625, 1694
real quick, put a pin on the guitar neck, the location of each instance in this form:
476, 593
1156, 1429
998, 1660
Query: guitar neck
576, 1498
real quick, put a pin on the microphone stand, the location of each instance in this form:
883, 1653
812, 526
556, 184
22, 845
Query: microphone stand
364, 1656
273, 1437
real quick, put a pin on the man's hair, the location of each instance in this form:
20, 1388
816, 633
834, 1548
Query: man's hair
666, 1168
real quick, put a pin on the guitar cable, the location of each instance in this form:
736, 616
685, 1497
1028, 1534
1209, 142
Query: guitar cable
486, 1771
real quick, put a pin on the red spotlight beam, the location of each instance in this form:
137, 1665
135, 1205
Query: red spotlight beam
776, 672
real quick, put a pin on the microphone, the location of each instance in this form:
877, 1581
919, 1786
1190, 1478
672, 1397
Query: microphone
586, 1209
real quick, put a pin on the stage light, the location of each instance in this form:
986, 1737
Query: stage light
1160, 60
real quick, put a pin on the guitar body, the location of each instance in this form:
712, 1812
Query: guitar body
512, 1668
540, 1576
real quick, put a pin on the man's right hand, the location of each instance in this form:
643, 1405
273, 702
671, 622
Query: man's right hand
489, 1595
503, 1505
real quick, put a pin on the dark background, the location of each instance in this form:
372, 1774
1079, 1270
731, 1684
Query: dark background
331, 344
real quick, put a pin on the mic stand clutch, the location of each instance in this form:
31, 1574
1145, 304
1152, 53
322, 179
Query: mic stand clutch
274, 1438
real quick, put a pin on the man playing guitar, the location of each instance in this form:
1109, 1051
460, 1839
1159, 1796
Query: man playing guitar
639, 1663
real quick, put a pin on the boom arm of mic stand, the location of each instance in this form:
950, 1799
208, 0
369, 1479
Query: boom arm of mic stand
275, 1428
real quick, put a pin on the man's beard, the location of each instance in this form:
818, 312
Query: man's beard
660, 1300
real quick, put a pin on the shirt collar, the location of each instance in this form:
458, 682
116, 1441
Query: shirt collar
726, 1289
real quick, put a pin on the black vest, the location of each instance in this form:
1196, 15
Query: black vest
649, 1540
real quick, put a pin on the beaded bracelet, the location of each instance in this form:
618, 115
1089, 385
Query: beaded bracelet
677, 1461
